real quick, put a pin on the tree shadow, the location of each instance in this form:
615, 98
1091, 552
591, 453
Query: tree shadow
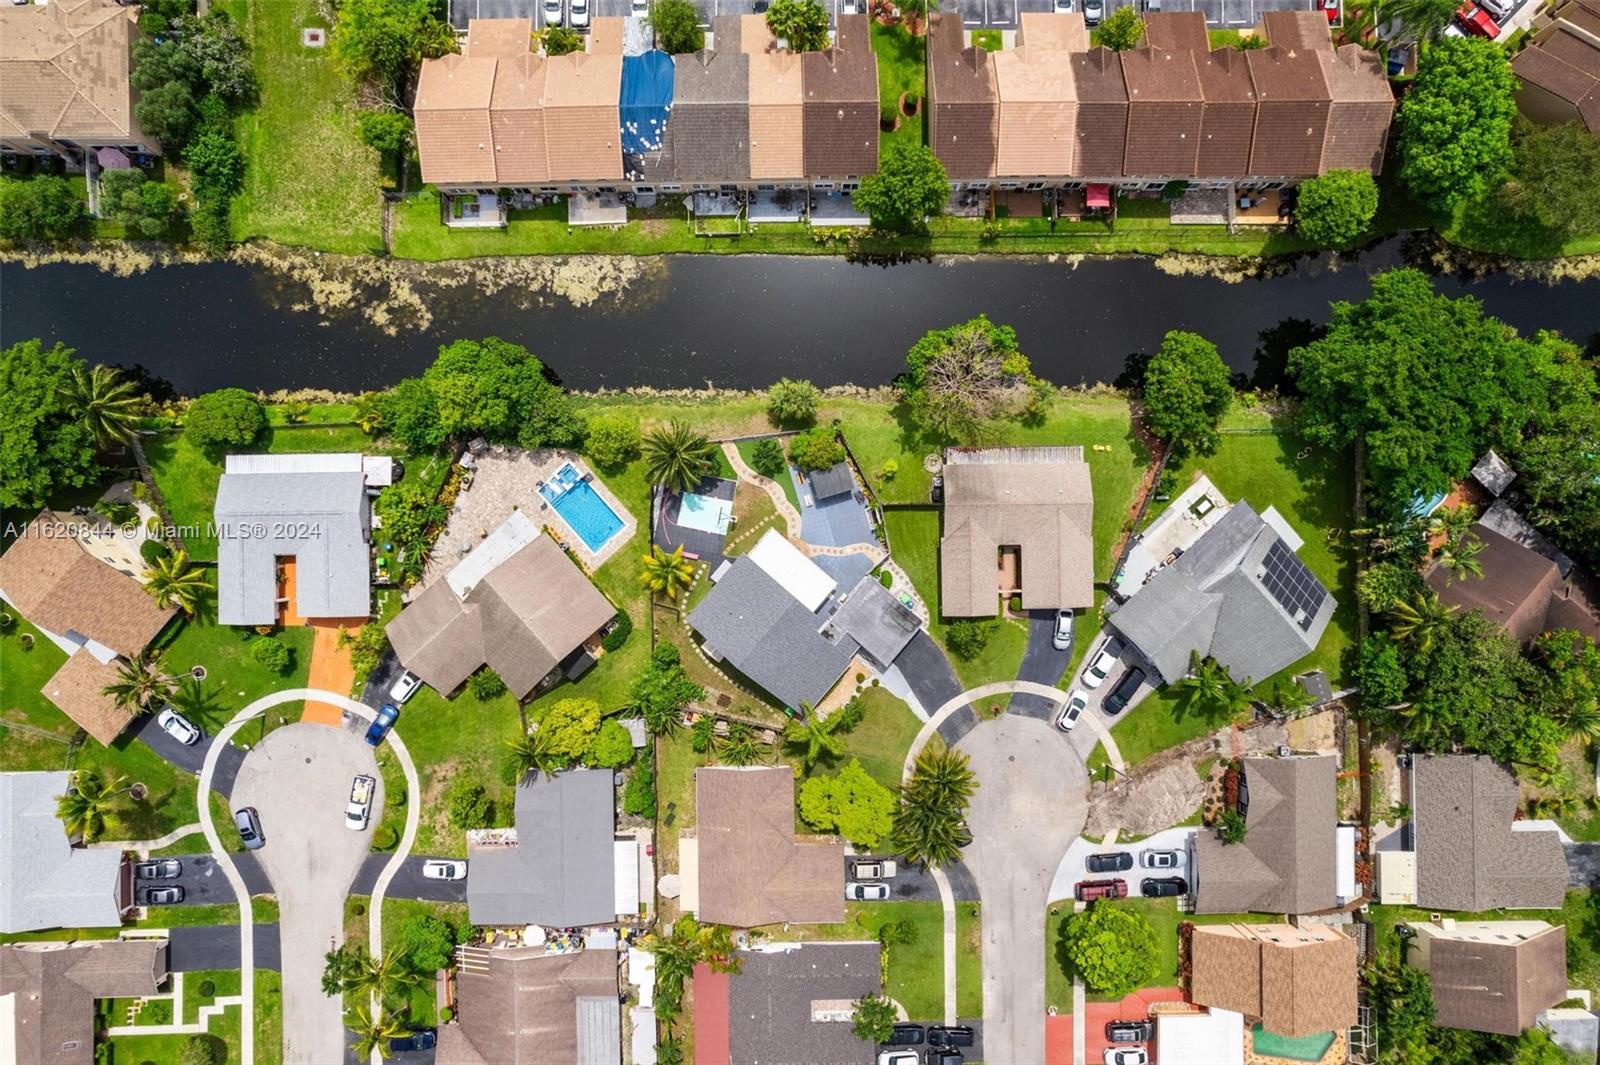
1272, 353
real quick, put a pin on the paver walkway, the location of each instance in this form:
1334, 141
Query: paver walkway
775, 492
331, 668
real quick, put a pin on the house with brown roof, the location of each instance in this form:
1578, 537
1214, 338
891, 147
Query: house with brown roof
1559, 70
47, 993
777, 118
841, 106
522, 1006
1102, 114
64, 86
516, 603
1521, 590
1286, 862
1471, 852
1164, 111
93, 612
1293, 980
1490, 976
1038, 108
750, 867
1016, 519
963, 100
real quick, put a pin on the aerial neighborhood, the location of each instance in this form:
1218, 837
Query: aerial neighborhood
833, 532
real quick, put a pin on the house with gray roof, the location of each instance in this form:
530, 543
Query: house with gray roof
1239, 594
561, 870
765, 617
47, 993
1286, 862
789, 1002
1018, 517
1472, 853
515, 603
46, 882
836, 480
321, 519
524, 1007
876, 619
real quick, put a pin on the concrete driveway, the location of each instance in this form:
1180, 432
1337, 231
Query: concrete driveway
1029, 807
1073, 869
298, 779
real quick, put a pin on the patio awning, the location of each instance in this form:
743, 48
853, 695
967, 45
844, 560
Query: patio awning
1098, 196
112, 159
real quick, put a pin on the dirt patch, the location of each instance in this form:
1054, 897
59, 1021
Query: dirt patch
1147, 802
1315, 732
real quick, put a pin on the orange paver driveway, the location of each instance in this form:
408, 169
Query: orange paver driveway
331, 668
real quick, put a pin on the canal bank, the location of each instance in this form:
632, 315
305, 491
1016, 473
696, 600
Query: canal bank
266, 320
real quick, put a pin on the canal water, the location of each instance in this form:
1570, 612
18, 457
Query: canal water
732, 322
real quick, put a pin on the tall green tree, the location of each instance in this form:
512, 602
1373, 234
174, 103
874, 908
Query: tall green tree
666, 573
1120, 32
909, 187
1186, 392
373, 1030
930, 821
501, 390
663, 690
1212, 691
1114, 950
1336, 208
385, 41
874, 1019
676, 25
802, 24
1419, 620
535, 753
792, 402
43, 208
224, 419
963, 377
88, 799
813, 738
1455, 123
1416, 20
677, 457
174, 580
849, 803
44, 445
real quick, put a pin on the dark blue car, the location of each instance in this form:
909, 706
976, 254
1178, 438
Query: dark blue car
380, 727
417, 1039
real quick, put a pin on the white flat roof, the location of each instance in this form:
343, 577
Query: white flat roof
689, 874
1281, 526
1344, 862
335, 462
788, 565
1214, 1038
515, 533
625, 864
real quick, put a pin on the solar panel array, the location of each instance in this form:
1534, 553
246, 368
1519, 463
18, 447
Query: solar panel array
1288, 581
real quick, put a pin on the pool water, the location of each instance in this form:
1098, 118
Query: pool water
1295, 1048
581, 507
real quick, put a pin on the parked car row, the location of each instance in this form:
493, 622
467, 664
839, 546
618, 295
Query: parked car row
1102, 663
1126, 1039
1151, 887
944, 1044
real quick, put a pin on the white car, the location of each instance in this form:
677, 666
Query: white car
858, 892
552, 12
898, 1057
1063, 7
580, 13
641, 7
404, 688
1093, 12
1067, 720
1160, 859
1105, 660
874, 869
444, 869
1126, 1056
178, 727
358, 813
1061, 639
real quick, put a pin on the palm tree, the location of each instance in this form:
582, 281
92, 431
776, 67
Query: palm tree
139, 683
369, 412
703, 734
198, 702
677, 457
1212, 691
83, 809
1580, 719
373, 1032
1459, 555
1420, 619
930, 820
105, 402
532, 753
1556, 806
1421, 20
813, 737
739, 746
382, 974
171, 579
667, 574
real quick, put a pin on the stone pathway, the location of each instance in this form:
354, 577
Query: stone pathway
178, 1026
145, 846
775, 492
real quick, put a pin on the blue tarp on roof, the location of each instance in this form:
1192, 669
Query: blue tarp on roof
646, 101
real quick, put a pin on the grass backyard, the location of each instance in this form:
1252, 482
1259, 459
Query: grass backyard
883, 737
234, 677
309, 180
915, 972
902, 68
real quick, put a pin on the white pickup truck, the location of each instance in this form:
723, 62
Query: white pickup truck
874, 869
359, 812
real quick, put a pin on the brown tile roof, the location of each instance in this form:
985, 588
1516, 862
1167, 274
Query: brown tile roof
1296, 981
1177, 31
1488, 986
52, 987
1051, 32
1292, 117
1038, 112
1102, 113
1363, 105
777, 122
524, 1008
516, 121
1566, 44
1559, 78
78, 690
53, 582
1164, 112
1038, 499
754, 35
1300, 31
1515, 590
964, 114
753, 869
499, 38
64, 70
1468, 856
581, 121
605, 36
1228, 118
1286, 862
455, 140
841, 104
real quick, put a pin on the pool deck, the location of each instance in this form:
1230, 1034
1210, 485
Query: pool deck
507, 479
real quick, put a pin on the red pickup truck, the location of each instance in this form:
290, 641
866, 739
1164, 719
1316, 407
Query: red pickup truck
1476, 21
1090, 890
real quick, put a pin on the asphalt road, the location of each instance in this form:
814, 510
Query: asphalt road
216, 946
298, 779
1030, 805
408, 882
928, 672
1042, 664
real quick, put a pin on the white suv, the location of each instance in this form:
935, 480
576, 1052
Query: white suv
359, 812
1105, 660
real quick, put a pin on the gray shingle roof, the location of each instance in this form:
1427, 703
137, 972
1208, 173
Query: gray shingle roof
45, 882
320, 519
1212, 601
833, 481
708, 133
52, 988
770, 1002
561, 872
1468, 858
769, 636
873, 617
1286, 862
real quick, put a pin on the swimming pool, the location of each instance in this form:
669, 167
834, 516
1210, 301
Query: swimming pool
581, 507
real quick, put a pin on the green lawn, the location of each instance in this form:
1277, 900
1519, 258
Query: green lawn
419, 1002
309, 180
883, 737
234, 677
133, 1050
915, 971
969, 960
902, 68
786, 482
